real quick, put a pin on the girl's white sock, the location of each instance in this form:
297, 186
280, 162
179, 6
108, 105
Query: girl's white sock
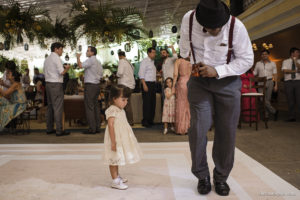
116, 180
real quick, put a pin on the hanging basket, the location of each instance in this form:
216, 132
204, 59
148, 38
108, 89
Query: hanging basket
127, 47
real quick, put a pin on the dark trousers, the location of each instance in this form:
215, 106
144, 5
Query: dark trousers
55, 99
91, 93
149, 102
128, 109
292, 89
208, 96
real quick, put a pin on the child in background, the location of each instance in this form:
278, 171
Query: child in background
169, 106
120, 144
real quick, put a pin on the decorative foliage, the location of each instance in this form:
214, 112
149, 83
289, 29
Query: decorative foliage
33, 22
17, 21
104, 23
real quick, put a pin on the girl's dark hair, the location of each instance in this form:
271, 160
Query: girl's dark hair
117, 91
169, 78
16, 75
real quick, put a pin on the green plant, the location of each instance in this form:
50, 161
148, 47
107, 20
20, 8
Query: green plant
17, 21
104, 24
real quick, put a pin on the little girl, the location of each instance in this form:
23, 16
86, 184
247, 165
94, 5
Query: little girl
120, 144
169, 106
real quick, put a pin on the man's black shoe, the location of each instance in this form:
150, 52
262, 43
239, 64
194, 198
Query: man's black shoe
51, 132
63, 133
89, 132
146, 125
204, 186
222, 188
290, 120
98, 131
276, 115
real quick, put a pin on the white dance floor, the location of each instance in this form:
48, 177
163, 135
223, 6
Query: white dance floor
77, 172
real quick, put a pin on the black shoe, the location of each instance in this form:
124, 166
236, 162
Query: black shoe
98, 131
63, 133
204, 186
146, 125
222, 188
51, 132
290, 120
276, 115
89, 132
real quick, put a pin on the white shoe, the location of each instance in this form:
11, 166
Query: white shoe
125, 180
118, 184
165, 131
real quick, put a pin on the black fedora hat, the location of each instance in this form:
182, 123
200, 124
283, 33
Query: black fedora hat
212, 13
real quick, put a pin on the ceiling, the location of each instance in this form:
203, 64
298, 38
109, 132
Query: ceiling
159, 15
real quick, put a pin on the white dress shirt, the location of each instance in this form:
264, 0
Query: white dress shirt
126, 73
168, 66
265, 69
287, 64
147, 70
212, 50
53, 67
5, 81
92, 70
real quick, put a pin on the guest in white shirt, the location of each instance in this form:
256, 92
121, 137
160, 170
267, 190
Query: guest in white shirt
26, 79
216, 88
92, 74
126, 77
291, 70
168, 62
267, 68
54, 72
147, 75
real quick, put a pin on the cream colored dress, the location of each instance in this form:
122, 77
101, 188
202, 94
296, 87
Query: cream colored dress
128, 150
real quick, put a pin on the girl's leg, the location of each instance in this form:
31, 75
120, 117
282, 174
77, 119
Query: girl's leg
114, 171
165, 128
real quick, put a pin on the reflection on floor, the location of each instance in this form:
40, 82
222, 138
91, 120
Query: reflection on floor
76, 171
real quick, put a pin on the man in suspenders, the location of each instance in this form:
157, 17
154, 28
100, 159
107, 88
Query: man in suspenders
220, 51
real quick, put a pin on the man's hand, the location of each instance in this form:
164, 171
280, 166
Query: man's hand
145, 87
113, 146
207, 71
275, 88
78, 55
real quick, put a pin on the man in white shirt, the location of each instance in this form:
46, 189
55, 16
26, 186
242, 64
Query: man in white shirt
267, 68
54, 72
215, 88
291, 70
92, 74
168, 62
147, 75
126, 77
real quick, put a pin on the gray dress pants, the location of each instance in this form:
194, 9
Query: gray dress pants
55, 100
219, 101
292, 89
92, 110
268, 96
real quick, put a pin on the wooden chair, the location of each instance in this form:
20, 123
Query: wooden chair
259, 96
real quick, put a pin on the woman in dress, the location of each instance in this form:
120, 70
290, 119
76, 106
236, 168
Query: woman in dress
182, 69
246, 100
13, 100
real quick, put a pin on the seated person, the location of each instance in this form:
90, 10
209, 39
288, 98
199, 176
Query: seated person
10, 109
246, 100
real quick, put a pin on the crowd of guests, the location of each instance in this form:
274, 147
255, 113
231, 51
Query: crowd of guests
59, 79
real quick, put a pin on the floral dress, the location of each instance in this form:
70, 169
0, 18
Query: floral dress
10, 109
128, 150
169, 108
